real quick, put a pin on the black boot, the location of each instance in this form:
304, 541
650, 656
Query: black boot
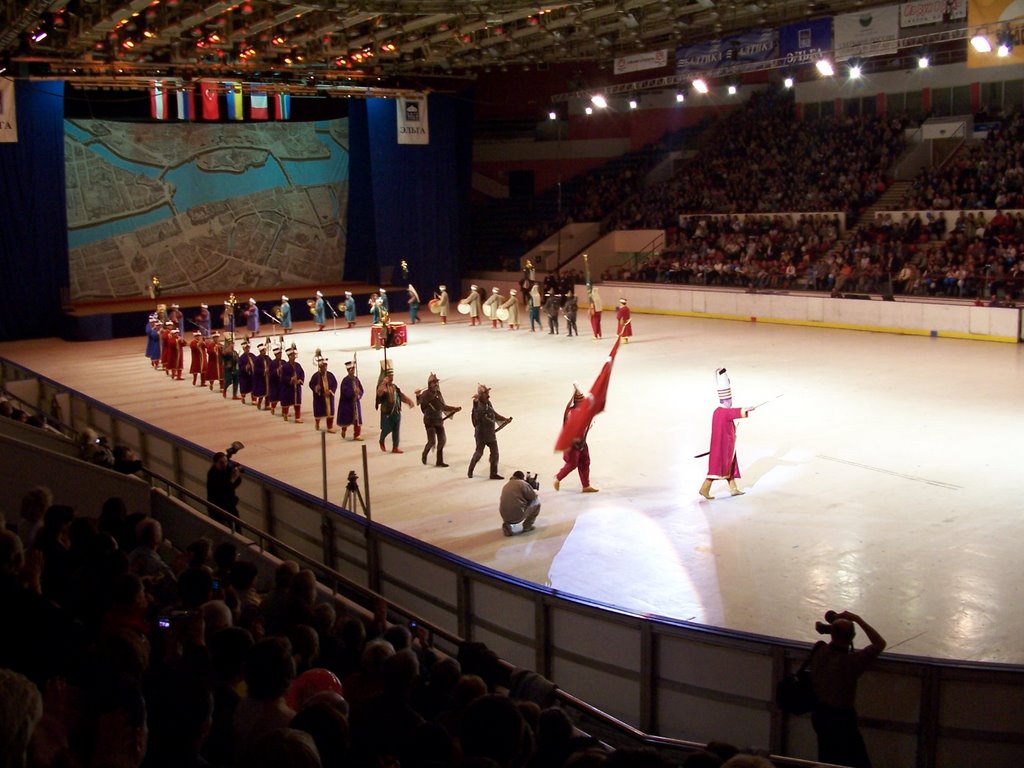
472, 466
440, 459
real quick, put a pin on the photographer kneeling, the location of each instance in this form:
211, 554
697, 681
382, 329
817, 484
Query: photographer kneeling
519, 502
835, 668
221, 480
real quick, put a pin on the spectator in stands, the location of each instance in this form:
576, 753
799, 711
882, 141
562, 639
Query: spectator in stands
269, 670
21, 709
384, 725
145, 560
54, 541
222, 478
228, 653
493, 729
126, 461
33, 506
835, 669
274, 605
326, 723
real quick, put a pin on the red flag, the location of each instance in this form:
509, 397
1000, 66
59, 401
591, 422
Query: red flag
211, 107
578, 422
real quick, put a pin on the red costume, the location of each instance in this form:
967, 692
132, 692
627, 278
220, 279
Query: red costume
722, 464
577, 456
622, 315
213, 371
196, 362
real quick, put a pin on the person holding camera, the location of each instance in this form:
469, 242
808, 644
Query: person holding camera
223, 477
835, 668
519, 503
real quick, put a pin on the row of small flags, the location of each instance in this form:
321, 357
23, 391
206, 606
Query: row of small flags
210, 102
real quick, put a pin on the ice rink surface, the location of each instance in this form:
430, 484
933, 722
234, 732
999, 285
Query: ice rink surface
881, 477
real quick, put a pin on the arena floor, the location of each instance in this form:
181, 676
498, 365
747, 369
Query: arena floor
881, 481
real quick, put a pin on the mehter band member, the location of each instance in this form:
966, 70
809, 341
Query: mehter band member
485, 427
324, 385
389, 400
350, 410
577, 456
292, 380
722, 463
435, 412
625, 321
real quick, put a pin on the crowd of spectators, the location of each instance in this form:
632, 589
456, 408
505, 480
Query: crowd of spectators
764, 160
120, 650
987, 174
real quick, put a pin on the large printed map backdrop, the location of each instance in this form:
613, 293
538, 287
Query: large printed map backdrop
205, 208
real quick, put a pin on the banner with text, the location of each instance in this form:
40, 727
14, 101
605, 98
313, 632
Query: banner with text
922, 12
805, 42
995, 18
413, 126
639, 61
741, 48
8, 120
871, 32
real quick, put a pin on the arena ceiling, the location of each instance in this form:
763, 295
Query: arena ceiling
358, 40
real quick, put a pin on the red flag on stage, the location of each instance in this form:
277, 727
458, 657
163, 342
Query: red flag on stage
576, 426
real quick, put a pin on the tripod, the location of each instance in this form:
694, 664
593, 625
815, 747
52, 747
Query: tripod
353, 494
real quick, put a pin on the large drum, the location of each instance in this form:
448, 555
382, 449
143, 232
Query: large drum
463, 308
397, 336
435, 306
488, 311
502, 314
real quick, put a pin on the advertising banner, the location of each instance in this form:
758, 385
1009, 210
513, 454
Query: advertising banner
740, 48
413, 127
805, 42
640, 61
922, 12
8, 121
871, 32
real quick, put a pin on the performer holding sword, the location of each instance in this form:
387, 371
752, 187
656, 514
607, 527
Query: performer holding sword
435, 412
486, 424
722, 463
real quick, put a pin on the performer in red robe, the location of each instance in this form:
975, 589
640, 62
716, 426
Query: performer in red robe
722, 463
622, 315
214, 370
196, 363
577, 456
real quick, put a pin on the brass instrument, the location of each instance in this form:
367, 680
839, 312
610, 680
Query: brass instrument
311, 303
277, 312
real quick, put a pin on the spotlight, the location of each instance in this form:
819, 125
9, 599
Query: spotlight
788, 82
1005, 40
598, 101
680, 97
700, 85
855, 72
923, 61
981, 44
552, 115
632, 104
732, 90
824, 67
589, 110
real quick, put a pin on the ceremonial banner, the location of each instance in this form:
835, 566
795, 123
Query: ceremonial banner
805, 42
993, 17
259, 106
742, 47
921, 12
235, 101
211, 107
8, 123
186, 105
871, 32
158, 102
639, 61
578, 422
413, 127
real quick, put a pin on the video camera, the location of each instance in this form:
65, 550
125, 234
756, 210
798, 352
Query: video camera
230, 451
532, 481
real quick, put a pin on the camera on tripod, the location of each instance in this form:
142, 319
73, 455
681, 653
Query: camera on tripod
532, 481
353, 481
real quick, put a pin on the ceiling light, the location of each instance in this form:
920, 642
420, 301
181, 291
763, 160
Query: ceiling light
732, 90
589, 110
855, 72
552, 115
788, 82
700, 85
599, 101
824, 67
923, 62
981, 44
680, 97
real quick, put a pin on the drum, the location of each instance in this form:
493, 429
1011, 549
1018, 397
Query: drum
435, 306
463, 308
502, 314
399, 335
488, 311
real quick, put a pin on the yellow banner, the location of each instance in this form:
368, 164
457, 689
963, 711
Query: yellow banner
8, 119
997, 20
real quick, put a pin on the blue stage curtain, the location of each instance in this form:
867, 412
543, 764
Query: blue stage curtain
33, 237
412, 206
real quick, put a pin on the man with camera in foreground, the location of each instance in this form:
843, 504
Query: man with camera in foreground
835, 668
519, 502
223, 477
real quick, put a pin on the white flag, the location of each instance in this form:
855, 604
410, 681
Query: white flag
413, 127
8, 122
